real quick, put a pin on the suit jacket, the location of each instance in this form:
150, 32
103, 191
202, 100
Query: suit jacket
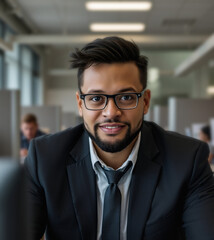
171, 191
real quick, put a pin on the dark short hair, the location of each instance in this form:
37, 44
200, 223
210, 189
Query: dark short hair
29, 118
109, 50
206, 130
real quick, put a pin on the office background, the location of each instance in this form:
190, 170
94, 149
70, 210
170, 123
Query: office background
36, 38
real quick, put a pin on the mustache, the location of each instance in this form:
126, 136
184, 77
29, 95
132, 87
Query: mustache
111, 121
96, 126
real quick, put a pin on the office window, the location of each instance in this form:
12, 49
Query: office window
26, 76
37, 81
11, 62
20, 69
12, 68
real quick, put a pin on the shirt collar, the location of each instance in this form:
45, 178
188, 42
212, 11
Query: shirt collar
132, 156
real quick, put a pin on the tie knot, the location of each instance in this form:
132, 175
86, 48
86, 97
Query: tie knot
115, 176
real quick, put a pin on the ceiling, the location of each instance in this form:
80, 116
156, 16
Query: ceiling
185, 17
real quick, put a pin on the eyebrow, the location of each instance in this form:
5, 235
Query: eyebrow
95, 91
130, 89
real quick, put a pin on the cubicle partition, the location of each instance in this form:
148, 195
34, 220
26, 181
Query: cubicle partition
49, 117
183, 112
9, 123
149, 115
68, 120
160, 116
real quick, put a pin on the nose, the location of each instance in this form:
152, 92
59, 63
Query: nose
111, 110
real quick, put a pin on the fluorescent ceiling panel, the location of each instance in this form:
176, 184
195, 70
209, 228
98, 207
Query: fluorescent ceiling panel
118, 6
117, 27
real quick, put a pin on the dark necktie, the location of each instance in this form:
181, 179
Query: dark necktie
112, 204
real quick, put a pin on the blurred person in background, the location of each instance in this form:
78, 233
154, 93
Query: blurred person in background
29, 130
205, 135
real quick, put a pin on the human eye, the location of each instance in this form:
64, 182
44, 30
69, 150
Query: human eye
96, 99
127, 97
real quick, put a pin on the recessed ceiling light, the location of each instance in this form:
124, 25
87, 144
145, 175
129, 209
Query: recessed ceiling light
117, 27
210, 90
119, 6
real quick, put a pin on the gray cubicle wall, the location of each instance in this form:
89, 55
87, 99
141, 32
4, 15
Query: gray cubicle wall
183, 112
68, 120
160, 116
49, 117
9, 123
149, 115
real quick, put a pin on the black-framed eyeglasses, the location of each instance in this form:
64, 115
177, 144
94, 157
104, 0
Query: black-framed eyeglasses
123, 101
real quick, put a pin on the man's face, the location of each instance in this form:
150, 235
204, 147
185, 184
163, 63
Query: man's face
203, 137
29, 130
112, 129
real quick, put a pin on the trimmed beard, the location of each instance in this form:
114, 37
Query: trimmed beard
118, 145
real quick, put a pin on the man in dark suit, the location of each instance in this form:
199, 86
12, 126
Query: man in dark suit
117, 176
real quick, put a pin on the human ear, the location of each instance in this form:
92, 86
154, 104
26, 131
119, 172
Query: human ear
146, 100
79, 103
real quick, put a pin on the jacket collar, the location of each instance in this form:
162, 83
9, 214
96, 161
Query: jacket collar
82, 183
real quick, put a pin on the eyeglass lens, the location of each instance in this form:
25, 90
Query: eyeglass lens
123, 101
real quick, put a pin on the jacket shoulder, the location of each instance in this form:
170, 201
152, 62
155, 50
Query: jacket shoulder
173, 140
63, 139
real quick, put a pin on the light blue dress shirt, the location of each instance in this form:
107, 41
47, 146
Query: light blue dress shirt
123, 185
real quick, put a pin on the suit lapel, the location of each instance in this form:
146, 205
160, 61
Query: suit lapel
143, 184
82, 183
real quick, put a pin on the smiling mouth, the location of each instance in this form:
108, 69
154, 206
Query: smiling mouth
111, 128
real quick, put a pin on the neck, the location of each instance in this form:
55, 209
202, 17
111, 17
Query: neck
115, 160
